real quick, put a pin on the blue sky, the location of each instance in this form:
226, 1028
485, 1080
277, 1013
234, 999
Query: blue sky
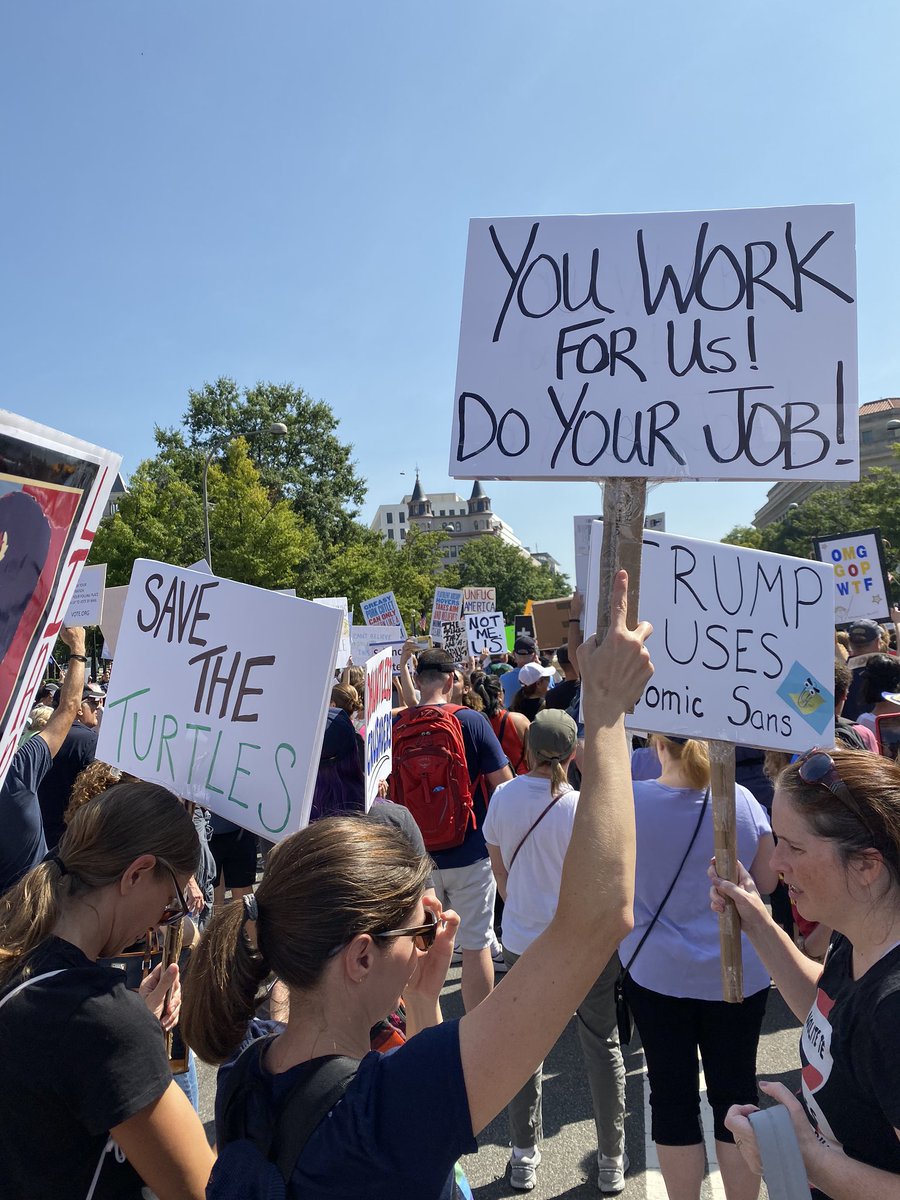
281, 191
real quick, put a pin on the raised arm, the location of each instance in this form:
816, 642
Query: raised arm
55, 731
510, 1032
407, 691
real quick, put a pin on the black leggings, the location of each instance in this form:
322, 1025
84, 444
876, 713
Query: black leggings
672, 1029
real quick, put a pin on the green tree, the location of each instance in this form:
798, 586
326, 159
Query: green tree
252, 540
310, 466
491, 562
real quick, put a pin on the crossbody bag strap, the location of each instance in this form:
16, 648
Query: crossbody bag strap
534, 826
665, 898
307, 1106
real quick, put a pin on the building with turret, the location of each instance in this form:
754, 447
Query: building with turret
461, 520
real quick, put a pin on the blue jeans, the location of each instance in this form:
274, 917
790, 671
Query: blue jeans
187, 1081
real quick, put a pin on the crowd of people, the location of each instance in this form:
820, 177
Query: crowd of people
522, 833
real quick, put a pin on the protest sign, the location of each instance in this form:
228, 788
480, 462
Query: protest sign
52, 491
383, 610
379, 727
861, 590
510, 632
705, 345
582, 550
220, 692
86, 605
524, 626
455, 640
367, 640
447, 606
340, 603
485, 633
113, 607
479, 599
742, 646
551, 622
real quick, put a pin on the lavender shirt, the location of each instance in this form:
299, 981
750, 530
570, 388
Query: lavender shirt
681, 956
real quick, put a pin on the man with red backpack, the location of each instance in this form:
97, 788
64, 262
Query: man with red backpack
446, 763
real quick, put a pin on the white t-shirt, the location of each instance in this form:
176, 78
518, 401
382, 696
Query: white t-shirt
533, 889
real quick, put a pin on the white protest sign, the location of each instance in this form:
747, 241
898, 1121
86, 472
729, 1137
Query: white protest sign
340, 603
52, 491
705, 345
582, 550
86, 605
742, 645
205, 698
479, 599
113, 607
861, 590
382, 610
379, 727
446, 606
367, 640
485, 633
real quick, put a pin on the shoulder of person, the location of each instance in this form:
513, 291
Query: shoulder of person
33, 758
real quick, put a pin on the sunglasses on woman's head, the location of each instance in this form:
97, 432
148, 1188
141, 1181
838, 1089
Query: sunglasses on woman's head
423, 935
818, 767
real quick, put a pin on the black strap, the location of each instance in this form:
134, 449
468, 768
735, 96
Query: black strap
313, 1095
532, 829
665, 898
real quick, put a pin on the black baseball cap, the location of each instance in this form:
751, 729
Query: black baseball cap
525, 644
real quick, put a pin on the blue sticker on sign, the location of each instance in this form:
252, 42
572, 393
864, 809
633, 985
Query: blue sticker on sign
806, 695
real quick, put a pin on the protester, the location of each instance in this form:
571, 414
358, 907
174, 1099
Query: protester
674, 980
88, 1106
37, 719
77, 751
880, 676
527, 830
837, 817
23, 844
851, 735
563, 694
525, 650
234, 852
511, 728
406, 1117
865, 639
345, 696
534, 683
463, 875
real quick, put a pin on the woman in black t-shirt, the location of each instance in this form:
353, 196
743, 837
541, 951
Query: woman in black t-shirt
88, 1107
837, 820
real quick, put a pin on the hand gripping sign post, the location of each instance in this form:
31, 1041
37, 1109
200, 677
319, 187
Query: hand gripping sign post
379, 728
743, 653
53, 489
220, 692
718, 345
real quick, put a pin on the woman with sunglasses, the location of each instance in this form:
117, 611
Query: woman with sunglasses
88, 1106
341, 918
837, 819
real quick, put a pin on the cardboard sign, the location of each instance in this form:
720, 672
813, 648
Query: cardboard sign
742, 645
447, 606
551, 622
220, 692
368, 640
52, 491
86, 605
485, 633
706, 345
379, 727
455, 640
383, 610
479, 599
861, 590
340, 603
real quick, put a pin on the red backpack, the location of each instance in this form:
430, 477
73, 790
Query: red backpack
429, 775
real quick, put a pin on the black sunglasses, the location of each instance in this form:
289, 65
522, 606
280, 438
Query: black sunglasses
423, 935
173, 913
818, 767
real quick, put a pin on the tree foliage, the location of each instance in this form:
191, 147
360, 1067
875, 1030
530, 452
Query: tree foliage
491, 562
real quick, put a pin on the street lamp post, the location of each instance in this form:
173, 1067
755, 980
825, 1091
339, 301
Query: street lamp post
276, 429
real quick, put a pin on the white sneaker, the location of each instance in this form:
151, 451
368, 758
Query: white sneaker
500, 964
523, 1164
611, 1173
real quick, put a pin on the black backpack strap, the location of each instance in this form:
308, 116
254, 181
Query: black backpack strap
308, 1103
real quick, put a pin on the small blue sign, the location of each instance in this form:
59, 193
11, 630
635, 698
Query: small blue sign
806, 695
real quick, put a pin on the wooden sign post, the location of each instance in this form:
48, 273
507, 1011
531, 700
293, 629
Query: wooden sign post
721, 762
624, 501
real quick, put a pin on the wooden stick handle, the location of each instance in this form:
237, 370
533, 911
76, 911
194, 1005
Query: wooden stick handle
721, 761
171, 953
623, 536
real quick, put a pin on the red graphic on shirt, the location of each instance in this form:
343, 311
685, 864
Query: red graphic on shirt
815, 1053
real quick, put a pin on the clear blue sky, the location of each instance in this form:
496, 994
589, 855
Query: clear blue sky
281, 191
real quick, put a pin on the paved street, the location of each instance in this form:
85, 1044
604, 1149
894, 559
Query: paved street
569, 1168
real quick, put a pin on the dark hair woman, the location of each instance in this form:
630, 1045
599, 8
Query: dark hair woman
85, 1071
511, 728
340, 918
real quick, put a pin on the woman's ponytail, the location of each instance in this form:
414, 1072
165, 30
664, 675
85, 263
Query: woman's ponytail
222, 984
28, 913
